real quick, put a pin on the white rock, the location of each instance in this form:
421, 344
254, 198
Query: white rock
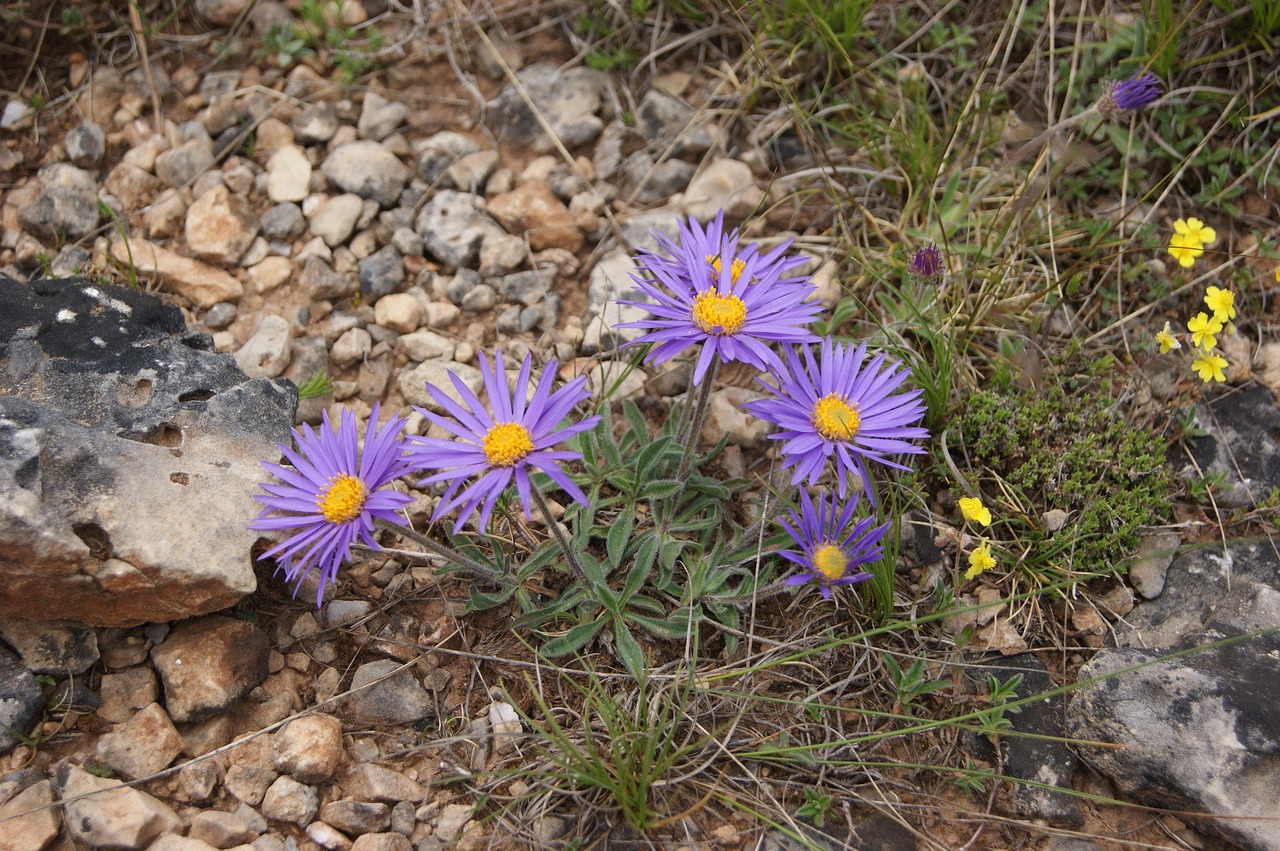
309, 748
269, 274
351, 348
725, 416
335, 220
425, 345
413, 382
145, 744
220, 226
266, 354
400, 312
452, 821
111, 815
725, 185
288, 175
291, 801
30, 823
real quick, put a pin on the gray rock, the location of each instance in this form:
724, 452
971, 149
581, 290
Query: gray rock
72, 260
21, 701
463, 282
435, 154
283, 221
146, 743
1240, 425
367, 169
425, 345
198, 781
220, 315
182, 165
670, 124
508, 321
222, 12
610, 282
51, 647
397, 699
403, 818
102, 386
266, 354
412, 382
208, 664
379, 117
381, 273
531, 317
1203, 585
220, 226
471, 172
1199, 732
453, 227
652, 183
322, 282
638, 231
103, 813
249, 783
1151, 563
335, 220
62, 204
407, 242
86, 144
355, 818
480, 298
1040, 756
527, 287
316, 124
126, 692
568, 99
351, 348
291, 801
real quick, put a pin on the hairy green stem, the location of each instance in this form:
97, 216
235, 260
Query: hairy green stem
569, 555
695, 424
441, 550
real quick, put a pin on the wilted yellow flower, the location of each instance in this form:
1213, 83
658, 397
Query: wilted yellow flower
1167, 341
980, 560
974, 511
1203, 328
1210, 366
1222, 302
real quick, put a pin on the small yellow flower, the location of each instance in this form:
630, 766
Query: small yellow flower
1195, 231
1278, 274
980, 560
1184, 251
1222, 303
1167, 341
1209, 366
1203, 328
974, 511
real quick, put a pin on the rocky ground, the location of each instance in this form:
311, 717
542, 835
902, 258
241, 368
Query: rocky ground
384, 234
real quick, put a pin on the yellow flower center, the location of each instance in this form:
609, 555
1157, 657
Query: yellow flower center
735, 268
343, 499
836, 419
719, 314
830, 561
507, 443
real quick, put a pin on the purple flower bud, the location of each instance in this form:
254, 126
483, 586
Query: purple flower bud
926, 263
1127, 95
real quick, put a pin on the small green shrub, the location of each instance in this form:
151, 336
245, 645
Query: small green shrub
1032, 452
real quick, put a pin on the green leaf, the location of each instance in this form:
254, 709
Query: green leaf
574, 640
648, 457
659, 488
635, 420
673, 627
646, 552
619, 536
629, 651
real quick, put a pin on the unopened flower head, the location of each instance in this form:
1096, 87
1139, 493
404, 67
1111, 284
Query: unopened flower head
974, 511
980, 560
1167, 341
927, 263
712, 289
1127, 95
1222, 302
832, 546
839, 407
505, 445
331, 495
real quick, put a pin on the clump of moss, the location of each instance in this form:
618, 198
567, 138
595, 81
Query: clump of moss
1037, 451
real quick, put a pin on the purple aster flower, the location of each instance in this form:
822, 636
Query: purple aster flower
832, 545
1127, 95
503, 446
332, 494
729, 297
926, 263
838, 407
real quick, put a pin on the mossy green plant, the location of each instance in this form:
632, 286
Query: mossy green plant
1071, 482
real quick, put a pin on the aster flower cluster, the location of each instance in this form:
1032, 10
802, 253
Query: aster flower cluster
836, 406
836, 409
